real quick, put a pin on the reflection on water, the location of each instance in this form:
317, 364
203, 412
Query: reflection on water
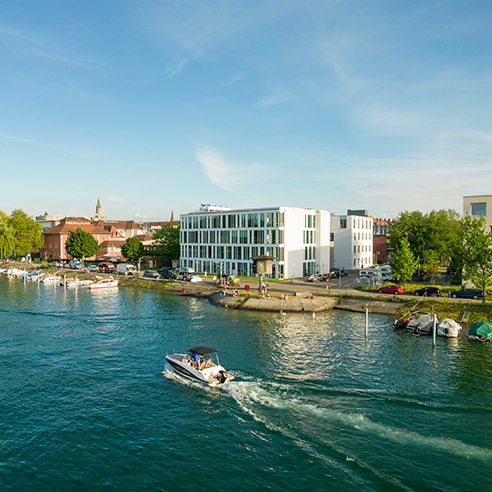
315, 405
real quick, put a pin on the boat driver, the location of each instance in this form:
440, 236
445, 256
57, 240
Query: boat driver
195, 359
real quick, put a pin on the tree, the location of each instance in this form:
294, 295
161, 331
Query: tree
405, 263
435, 232
431, 265
7, 239
477, 255
28, 234
81, 244
132, 249
166, 243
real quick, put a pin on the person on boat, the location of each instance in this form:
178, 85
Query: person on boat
195, 359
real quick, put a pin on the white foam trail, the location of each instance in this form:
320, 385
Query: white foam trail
247, 395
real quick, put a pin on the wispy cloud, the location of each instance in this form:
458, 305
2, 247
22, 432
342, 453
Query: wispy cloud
32, 44
224, 174
277, 97
59, 148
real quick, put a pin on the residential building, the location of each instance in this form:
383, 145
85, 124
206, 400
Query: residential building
223, 240
479, 206
55, 237
352, 240
48, 221
380, 233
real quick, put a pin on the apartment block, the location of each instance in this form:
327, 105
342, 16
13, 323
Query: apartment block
352, 240
223, 240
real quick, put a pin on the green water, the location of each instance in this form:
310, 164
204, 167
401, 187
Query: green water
85, 405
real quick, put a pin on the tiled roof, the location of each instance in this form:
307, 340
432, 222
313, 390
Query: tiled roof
69, 228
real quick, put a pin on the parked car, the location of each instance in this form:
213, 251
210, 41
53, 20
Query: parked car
92, 268
427, 291
162, 270
107, 268
390, 289
151, 274
315, 278
75, 264
169, 275
232, 279
467, 293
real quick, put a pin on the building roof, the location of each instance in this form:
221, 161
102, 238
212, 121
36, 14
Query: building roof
69, 228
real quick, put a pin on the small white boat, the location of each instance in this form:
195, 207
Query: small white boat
200, 364
103, 283
76, 282
50, 279
448, 328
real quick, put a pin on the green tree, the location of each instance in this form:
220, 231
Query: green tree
7, 238
166, 243
431, 265
81, 244
404, 262
433, 234
28, 234
132, 249
477, 255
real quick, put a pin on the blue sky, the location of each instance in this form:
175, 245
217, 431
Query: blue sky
159, 106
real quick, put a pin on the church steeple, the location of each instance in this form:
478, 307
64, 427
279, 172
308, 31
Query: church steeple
172, 215
99, 215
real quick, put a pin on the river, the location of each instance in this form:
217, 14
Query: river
85, 405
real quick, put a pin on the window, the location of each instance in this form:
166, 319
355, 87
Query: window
479, 209
332, 236
343, 223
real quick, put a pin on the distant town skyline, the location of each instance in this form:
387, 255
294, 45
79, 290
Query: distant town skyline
161, 106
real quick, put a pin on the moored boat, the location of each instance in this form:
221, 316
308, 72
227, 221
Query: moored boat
200, 364
480, 331
448, 328
103, 283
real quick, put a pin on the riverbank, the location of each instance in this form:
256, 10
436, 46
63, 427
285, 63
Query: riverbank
462, 311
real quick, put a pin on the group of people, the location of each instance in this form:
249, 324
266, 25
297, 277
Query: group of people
234, 292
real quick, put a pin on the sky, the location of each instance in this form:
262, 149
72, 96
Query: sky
159, 106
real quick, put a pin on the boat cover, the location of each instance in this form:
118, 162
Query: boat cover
448, 328
202, 350
421, 325
481, 329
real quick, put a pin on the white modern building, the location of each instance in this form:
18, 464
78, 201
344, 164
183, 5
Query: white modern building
223, 240
352, 241
479, 206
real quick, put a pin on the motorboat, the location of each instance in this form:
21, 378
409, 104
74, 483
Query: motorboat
200, 364
421, 325
75, 282
103, 283
480, 331
50, 279
448, 328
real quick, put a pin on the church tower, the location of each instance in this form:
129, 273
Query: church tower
99, 215
172, 216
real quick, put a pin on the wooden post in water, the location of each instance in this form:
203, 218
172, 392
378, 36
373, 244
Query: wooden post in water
434, 332
367, 320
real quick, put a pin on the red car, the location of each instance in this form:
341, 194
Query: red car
390, 289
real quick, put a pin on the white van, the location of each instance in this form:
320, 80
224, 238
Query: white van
185, 271
125, 269
371, 272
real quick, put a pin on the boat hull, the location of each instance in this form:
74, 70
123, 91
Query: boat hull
213, 376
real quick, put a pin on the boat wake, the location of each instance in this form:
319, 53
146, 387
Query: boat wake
259, 398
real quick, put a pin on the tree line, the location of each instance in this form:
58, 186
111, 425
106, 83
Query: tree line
425, 241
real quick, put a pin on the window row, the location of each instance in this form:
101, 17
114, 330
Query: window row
232, 221
365, 248
255, 236
230, 252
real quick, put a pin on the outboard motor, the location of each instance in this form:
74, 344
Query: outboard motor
222, 377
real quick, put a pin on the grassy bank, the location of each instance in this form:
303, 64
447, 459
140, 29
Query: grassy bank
443, 308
